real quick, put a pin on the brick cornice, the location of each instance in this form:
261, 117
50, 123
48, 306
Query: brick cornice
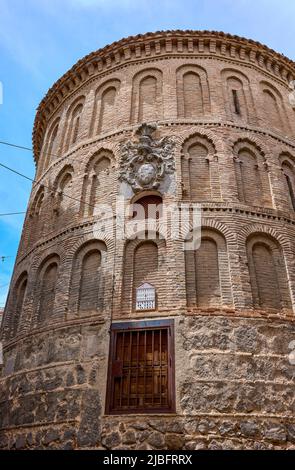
149, 45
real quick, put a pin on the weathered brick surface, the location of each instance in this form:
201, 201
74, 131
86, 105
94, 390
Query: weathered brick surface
233, 299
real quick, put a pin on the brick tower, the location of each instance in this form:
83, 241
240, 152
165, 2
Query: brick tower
119, 342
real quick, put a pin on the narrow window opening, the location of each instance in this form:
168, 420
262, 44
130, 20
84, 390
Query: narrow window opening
236, 102
76, 130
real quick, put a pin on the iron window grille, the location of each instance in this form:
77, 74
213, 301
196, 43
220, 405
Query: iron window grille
141, 368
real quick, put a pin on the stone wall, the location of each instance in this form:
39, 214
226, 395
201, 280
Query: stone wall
233, 379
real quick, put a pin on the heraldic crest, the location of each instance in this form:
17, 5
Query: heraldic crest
145, 163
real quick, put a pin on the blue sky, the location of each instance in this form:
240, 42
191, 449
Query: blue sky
42, 39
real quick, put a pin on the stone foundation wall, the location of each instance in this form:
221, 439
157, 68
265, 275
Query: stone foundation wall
234, 390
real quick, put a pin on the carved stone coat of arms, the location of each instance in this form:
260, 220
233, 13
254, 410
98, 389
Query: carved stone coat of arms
145, 163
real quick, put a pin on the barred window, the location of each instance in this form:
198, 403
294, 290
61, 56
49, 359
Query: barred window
141, 368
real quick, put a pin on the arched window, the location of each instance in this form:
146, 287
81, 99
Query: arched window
208, 281
200, 173
200, 170
267, 273
48, 289
89, 286
52, 142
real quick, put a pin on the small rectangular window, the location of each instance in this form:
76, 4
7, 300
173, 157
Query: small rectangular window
141, 368
236, 102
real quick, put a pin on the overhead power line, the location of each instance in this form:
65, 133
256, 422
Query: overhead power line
44, 186
12, 213
22, 147
29, 149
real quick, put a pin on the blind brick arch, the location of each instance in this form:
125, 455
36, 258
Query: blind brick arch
267, 272
252, 176
87, 279
207, 273
199, 171
146, 265
50, 148
249, 184
288, 171
16, 306
34, 230
193, 96
238, 98
105, 113
73, 123
273, 110
46, 287
62, 205
143, 263
147, 96
95, 191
